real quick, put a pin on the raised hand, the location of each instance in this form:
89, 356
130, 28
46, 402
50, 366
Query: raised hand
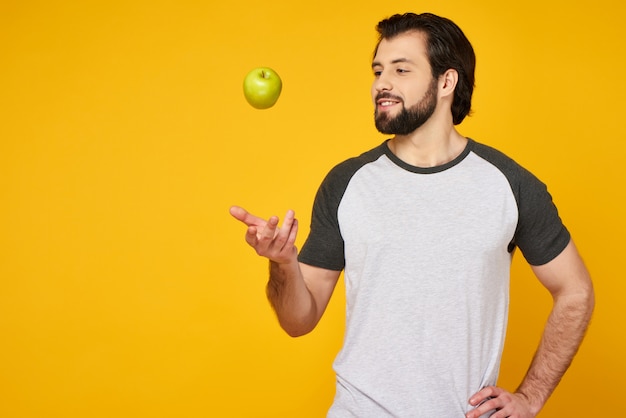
267, 239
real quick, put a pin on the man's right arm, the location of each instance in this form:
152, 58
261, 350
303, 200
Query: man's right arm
299, 293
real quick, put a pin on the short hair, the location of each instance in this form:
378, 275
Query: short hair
447, 48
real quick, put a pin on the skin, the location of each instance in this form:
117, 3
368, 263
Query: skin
300, 293
568, 281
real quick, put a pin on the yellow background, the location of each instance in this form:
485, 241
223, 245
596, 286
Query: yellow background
126, 290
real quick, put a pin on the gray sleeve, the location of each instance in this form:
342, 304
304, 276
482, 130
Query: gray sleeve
540, 233
324, 245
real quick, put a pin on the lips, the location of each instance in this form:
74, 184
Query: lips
386, 100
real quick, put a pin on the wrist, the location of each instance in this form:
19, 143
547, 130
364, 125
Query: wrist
534, 403
284, 258
281, 271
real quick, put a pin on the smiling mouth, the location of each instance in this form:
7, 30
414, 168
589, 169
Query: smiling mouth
384, 102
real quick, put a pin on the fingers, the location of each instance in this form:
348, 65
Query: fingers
293, 233
246, 217
266, 237
273, 241
251, 236
282, 238
237, 212
263, 235
483, 395
505, 403
484, 401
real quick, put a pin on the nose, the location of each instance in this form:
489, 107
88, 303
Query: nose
381, 83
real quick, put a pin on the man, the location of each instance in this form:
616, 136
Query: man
424, 227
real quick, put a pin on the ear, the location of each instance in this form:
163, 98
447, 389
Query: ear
447, 82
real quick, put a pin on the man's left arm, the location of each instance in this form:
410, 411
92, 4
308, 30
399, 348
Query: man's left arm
569, 283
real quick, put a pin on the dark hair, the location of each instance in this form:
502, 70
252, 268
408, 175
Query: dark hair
447, 47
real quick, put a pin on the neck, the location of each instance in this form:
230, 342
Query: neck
433, 144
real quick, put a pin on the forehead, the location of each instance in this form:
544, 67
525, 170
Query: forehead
406, 46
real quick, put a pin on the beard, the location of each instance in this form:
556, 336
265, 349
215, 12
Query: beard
408, 120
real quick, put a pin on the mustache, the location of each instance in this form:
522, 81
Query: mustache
387, 95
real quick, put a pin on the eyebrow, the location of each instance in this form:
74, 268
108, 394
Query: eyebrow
396, 61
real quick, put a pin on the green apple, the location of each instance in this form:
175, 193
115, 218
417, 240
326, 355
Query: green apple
262, 87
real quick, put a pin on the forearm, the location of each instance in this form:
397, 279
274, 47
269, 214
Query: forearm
562, 336
291, 299
299, 304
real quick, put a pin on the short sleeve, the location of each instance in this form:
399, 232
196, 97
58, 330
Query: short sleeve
324, 246
540, 233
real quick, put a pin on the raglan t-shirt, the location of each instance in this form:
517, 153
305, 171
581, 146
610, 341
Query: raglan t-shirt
426, 254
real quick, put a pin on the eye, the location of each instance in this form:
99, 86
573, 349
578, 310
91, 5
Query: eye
377, 73
402, 70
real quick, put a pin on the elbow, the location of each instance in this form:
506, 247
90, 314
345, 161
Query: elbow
297, 323
298, 326
581, 296
591, 299
589, 303
583, 301
588, 296
296, 330
296, 334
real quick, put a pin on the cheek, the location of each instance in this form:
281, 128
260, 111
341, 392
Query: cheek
414, 97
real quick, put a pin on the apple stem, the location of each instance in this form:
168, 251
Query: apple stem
263, 74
